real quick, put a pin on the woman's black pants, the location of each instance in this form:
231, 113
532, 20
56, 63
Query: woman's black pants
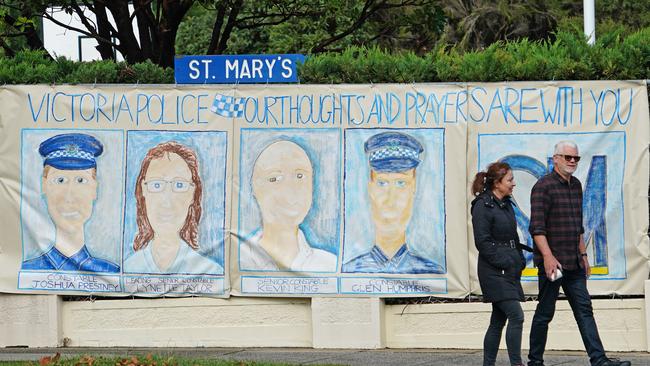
502, 311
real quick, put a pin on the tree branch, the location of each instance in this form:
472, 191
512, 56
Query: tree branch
216, 28
227, 30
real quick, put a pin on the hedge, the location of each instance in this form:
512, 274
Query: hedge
567, 57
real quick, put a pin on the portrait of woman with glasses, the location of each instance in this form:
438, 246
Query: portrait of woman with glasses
168, 193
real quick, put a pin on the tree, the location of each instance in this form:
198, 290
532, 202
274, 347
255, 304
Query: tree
17, 29
475, 24
154, 29
157, 22
322, 26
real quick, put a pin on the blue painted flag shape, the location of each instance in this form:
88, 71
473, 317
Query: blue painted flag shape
227, 106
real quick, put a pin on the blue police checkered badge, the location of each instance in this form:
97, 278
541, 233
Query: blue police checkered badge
227, 106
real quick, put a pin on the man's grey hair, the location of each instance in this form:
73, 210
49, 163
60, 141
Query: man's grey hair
562, 144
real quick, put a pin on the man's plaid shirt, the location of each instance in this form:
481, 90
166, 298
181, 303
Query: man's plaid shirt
556, 212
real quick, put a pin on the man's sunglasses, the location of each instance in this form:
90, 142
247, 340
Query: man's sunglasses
568, 158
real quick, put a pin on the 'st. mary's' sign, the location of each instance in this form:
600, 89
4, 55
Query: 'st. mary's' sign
236, 69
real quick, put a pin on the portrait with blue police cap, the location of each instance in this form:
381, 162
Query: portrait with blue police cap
393, 159
69, 186
71, 151
393, 152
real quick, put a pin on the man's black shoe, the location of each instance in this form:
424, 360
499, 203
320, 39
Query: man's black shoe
614, 362
535, 363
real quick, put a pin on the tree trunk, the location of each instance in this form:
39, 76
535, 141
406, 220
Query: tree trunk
146, 28
104, 30
227, 30
128, 43
173, 13
216, 29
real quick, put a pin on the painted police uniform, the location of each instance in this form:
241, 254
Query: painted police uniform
81, 261
71, 151
404, 261
392, 152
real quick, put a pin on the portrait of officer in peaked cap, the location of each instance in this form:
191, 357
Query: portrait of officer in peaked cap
393, 159
69, 188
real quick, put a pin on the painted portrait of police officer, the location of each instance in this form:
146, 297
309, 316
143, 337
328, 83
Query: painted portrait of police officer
289, 209
69, 188
391, 195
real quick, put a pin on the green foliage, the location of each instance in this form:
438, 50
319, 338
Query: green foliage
27, 67
87, 72
194, 33
366, 65
405, 27
615, 56
568, 57
33, 67
630, 13
476, 24
149, 73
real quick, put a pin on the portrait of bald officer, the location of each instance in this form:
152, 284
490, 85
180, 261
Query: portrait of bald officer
69, 187
393, 159
282, 184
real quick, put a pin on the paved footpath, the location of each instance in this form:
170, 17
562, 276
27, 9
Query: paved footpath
308, 356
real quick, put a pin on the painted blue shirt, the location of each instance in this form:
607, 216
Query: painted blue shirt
81, 261
404, 261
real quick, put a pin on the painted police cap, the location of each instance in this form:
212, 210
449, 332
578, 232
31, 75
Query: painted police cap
392, 152
71, 151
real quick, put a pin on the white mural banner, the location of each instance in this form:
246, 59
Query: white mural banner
308, 190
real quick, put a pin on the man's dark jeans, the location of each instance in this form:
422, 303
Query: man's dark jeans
574, 285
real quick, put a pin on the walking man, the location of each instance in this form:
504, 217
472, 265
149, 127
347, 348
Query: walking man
556, 227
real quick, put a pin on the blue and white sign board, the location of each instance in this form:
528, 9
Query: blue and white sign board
237, 69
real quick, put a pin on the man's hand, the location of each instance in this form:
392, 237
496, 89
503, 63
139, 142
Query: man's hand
585, 262
550, 265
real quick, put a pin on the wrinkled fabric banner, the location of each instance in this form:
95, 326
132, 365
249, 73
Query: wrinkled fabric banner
302, 190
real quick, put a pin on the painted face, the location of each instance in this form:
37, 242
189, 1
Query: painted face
505, 185
562, 165
70, 195
168, 191
391, 198
282, 183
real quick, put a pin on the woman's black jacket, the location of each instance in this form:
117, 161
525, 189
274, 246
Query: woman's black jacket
500, 259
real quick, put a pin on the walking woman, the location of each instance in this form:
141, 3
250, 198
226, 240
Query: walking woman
500, 259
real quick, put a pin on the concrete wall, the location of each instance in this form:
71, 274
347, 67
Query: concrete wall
45, 320
30, 320
621, 324
189, 322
